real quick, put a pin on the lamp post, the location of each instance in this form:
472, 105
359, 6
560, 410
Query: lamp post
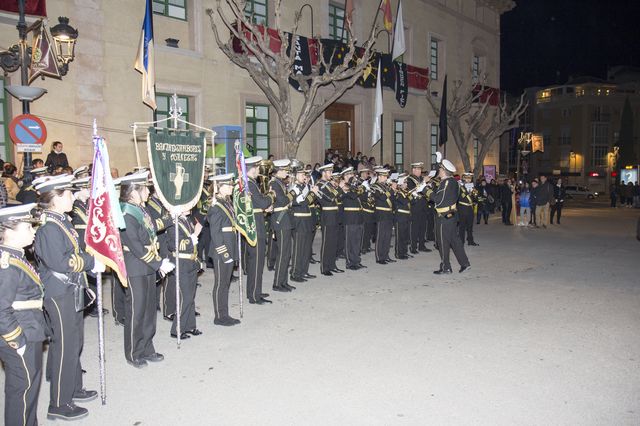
20, 56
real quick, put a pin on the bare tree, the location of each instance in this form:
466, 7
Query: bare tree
474, 112
272, 71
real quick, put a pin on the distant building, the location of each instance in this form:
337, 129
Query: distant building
580, 125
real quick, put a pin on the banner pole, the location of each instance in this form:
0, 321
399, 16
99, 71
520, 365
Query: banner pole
103, 384
177, 272
240, 273
135, 144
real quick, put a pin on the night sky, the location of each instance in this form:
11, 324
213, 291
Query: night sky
546, 41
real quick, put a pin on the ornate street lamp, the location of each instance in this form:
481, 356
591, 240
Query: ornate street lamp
21, 56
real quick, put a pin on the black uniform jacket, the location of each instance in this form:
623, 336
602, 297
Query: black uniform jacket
383, 201
281, 216
260, 202
224, 240
303, 219
139, 242
328, 200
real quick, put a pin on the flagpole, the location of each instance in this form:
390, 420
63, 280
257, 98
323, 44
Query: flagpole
176, 225
103, 382
240, 293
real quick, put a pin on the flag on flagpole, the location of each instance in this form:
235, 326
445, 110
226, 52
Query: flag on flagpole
102, 236
443, 115
145, 61
399, 46
385, 7
377, 118
245, 219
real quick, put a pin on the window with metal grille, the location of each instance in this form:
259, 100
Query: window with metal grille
256, 10
337, 31
163, 101
398, 144
172, 8
475, 67
433, 49
434, 143
257, 129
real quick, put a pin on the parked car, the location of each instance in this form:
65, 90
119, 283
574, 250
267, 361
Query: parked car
576, 191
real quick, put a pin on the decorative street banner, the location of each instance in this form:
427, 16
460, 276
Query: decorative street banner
301, 58
402, 87
246, 221
176, 159
43, 61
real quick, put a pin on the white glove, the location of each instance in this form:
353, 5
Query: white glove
305, 191
194, 239
228, 261
300, 198
98, 267
295, 189
366, 185
166, 266
21, 350
421, 187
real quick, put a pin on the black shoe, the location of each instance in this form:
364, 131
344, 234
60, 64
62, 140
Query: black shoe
297, 279
225, 322
183, 336
477, 223
414, 251
424, 249
233, 320
263, 300
309, 276
264, 295
391, 261
137, 363
328, 273
486, 223
464, 268
289, 287
353, 268
338, 270
402, 257
256, 302
194, 332
271, 268
197, 313
282, 289
85, 395
361, 266
443, 271
169, 317
67, 412
473, 244
313, 261
381, 262
155, 357
234, 278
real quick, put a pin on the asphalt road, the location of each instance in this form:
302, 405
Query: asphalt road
543, 330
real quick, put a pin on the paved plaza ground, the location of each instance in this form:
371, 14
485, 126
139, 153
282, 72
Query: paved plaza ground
543, 330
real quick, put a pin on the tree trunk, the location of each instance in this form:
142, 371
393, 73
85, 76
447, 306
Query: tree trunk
292, 145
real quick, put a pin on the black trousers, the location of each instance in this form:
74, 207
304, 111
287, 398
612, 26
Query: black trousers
223, 272
117, 299
483, 213
188, 281
140, 317
367, 235
556, 210
418, 229
402, 238
283, 241
302, 240
272, 251
329, 247
431, 224
340, 240
383, 239
255, 267
506, 212
204, 240
23, 375
65, 346
465, 223
353, 243
448, 239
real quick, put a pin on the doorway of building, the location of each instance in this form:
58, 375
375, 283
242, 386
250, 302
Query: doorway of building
340, 128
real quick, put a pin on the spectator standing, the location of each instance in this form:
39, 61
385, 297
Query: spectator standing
525, 206
559, 193
506, 202
56, 157
636, 195
613, 194
629, 192
533, 197
483, 202
544, 197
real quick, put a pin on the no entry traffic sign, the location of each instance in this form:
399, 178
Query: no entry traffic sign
27, 129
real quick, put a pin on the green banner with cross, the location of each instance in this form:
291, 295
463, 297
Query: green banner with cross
176, 160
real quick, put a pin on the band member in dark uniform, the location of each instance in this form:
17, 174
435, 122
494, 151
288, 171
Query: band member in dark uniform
419, 207
141, 257
224, 247
62, 265
327, 198
445, 198
352, 217
468, 199
22, 323
187, 254
338, 187
303, 222
368, 212
255, 255
161, 220
282, 224
384, 216
403, 212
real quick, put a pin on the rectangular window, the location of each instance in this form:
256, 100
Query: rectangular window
163, 101
475, 151
5, 142
599, 144
475, 67
434, 143
336, 22
257, 129
398, 144
172, 8
434, 59
565, 136
256, 10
